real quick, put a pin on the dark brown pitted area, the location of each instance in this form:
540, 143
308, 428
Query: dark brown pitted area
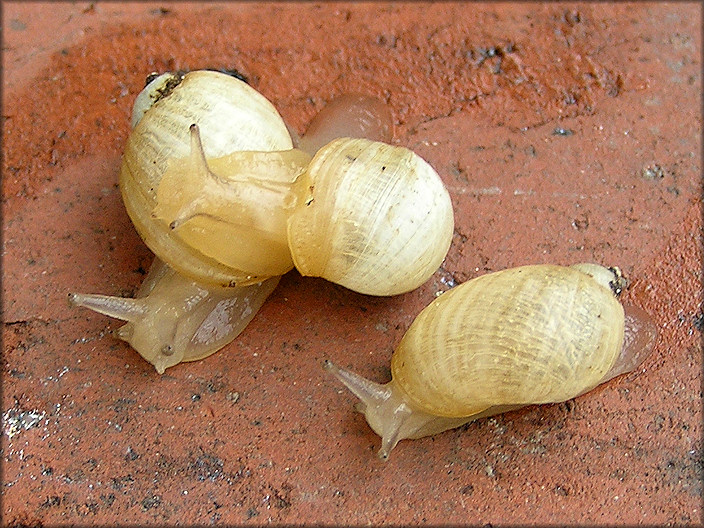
563, 132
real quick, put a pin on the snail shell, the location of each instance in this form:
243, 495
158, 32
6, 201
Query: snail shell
372, 217
231, 116
527, 335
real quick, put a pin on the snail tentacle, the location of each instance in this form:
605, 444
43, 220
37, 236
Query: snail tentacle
124, 309
366, 390
385, 413
389, 412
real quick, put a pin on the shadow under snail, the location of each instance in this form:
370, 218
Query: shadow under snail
528, 335
216, 188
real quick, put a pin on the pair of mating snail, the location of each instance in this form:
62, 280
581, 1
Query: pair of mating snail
227, 217
214, 186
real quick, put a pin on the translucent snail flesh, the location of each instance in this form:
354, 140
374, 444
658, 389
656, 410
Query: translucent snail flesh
527, 335
349, 115
174, 319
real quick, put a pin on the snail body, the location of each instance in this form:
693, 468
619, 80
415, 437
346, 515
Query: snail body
214, 186
231, 208
349, 115
174, 319
522, 336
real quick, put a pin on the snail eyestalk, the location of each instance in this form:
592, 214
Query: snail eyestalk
194, 198
383, 412
121, 308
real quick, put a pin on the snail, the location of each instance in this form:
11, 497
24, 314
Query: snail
528, 335
215, 188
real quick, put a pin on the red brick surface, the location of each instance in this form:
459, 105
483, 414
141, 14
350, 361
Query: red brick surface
564, 133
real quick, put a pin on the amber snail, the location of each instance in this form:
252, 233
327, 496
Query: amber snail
216, 189
528, 335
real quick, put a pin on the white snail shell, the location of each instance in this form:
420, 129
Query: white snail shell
521, 336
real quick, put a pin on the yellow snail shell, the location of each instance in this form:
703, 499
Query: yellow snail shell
232, 116
527, 335
372, 217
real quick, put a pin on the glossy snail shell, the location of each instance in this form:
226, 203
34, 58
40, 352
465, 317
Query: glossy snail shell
527, 335
370, 216
503, 349
231, 116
